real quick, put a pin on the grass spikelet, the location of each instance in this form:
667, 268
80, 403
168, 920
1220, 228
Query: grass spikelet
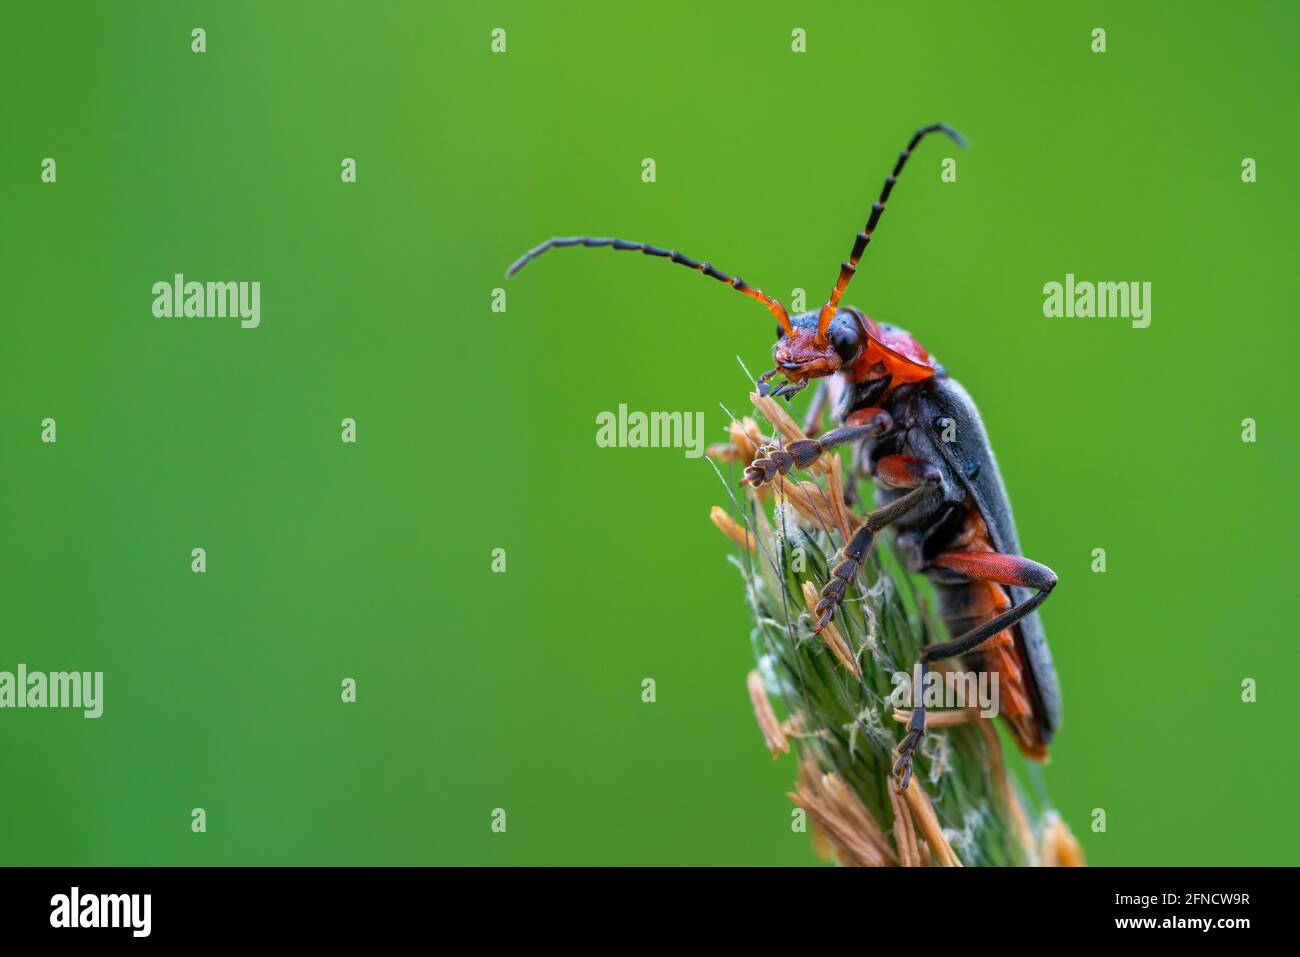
827, 697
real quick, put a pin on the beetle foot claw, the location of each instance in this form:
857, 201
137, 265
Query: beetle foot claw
902, 773
907, 749
771, 462
834, 591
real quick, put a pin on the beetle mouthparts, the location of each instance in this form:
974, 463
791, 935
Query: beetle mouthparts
792, 385
790, 389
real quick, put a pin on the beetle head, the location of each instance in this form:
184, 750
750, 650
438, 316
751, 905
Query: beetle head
804, 354
852, 344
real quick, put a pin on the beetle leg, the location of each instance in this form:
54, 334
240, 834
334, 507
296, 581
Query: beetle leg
907, 471
774, 460
872, 415
1011, 570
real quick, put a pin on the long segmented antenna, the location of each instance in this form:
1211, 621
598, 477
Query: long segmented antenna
863, 238
672, 255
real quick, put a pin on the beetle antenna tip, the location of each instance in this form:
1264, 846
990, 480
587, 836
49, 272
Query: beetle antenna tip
955, 135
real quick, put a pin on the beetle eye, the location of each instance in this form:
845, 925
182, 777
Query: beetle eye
845, 343
779, 332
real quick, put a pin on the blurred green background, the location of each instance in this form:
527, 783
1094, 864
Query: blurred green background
476, 430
